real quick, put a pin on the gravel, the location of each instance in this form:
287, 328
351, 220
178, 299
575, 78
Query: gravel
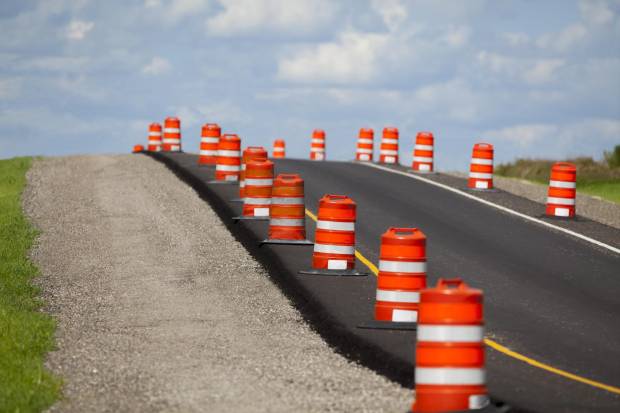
159, 308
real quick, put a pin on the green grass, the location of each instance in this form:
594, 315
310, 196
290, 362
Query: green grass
609, 190
26, 334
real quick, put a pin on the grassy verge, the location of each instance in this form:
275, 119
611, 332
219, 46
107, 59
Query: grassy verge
26, 334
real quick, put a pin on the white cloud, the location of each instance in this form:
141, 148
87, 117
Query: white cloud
246, 16
529, 70
454, 98
10, 88
157, 66
393, 12
596, 11
516, 39
78, 29
542, 71
564, 40
353, 58
221, 112
457, 36
182, 8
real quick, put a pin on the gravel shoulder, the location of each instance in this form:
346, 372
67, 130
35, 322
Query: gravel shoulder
159, 308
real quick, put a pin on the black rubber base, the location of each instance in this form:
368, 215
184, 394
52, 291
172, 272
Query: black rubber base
223, 182
242, 218
387, 325
481, 189
236, 200
287, 242
334, 273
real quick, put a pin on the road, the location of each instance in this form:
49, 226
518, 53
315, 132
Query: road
548, 296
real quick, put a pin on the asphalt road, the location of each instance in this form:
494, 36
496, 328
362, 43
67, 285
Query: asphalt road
549, 296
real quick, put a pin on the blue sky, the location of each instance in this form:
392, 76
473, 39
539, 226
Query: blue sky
535, 78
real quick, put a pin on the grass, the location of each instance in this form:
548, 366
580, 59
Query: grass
26, 334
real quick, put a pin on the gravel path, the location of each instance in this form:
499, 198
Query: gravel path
160, 309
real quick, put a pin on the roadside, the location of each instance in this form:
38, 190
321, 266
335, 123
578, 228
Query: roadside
26, 334
161, 309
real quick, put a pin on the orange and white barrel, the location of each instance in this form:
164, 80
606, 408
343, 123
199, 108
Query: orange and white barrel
481, 167
209, 141
249, 153
402, 275
423, 152
365, 145
172, 135
228, 164
388, 152
258, 185
279, 149
334, 244
154, 137
138, 148
317, 145
288, 213
562, 190
449, 371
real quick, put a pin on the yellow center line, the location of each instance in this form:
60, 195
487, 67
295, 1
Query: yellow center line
498, 347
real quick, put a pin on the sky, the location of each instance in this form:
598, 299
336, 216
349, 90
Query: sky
535, 78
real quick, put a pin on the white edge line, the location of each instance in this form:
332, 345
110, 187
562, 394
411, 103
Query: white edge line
501, 208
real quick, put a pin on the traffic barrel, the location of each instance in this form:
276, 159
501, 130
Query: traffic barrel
172, 135
138, 148
365, 145
562, 190
388, 152
449, 371
209, 141
481, 167
334, 243
317, 145
423, 152
279, 149
257, 193
249, 153
228, 163
287, 221
154, 137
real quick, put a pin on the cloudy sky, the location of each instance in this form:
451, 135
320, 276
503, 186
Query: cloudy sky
536, 78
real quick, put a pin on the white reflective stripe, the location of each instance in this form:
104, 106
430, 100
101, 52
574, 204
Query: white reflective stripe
231, 178
364, 157
334, 249
259, 182
389, 159
227, 168
206, 152
400, 266
172, 130
398, 296
243, 166
158, 134
424, 167
422, 159
560, 201
388, 141
209, 139
288, 201
449, 375
364, 150
261, 212
319, 156
229, 154
404, 316
241, 182
287, 222
423, 147
478, 401
561, 212
451, 334
563, 184
321, 150
256, 201
318, 140
481, 161
335, 226
388, 152
278, 149
480, 175
336, 264
171, 140
175, 148
364, 140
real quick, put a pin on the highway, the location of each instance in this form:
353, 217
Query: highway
550, 297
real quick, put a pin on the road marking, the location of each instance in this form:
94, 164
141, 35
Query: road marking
501, 208
498, 347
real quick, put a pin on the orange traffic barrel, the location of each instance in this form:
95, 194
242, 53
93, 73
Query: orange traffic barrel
481, 167
562, 190
279, 149
249, 153
449, 371
317, 145
423, 152
228, 163
209, 141
388, 152
138, 148
154, 137
172, 135
287, 221
334, 243
365, 145
257, 193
